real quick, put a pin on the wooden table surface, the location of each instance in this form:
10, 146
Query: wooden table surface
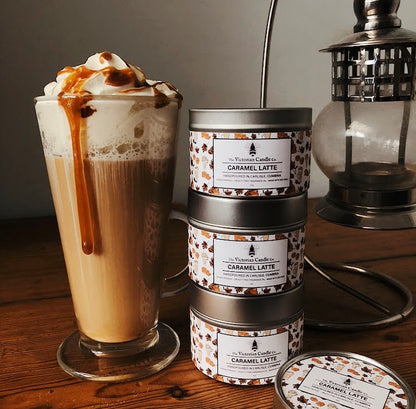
36, 315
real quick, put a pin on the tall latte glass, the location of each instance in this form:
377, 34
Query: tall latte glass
110, 161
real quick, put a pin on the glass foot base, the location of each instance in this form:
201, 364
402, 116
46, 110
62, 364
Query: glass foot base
80, 363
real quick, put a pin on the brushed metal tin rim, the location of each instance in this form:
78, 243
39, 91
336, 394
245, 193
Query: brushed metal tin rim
282, 213
250, 119
322, 353
244, 326
243, 310
248, 231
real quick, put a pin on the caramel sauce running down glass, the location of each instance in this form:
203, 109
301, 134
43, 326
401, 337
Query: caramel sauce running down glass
111, 163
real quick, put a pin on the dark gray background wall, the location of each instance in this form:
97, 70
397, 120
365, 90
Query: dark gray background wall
210, 49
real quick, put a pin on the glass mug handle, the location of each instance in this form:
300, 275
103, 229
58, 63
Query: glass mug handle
177, 283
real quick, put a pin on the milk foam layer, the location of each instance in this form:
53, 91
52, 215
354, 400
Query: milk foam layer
128, 128
126, 116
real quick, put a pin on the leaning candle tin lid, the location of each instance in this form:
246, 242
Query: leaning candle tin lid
248, 214
241, 311
333, 379
250, 152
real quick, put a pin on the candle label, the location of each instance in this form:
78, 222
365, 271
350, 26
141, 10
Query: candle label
251, 357
246, 264
344, 390
243, 357
250, 264
250, 164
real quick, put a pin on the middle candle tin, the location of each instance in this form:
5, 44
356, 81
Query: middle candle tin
246, 247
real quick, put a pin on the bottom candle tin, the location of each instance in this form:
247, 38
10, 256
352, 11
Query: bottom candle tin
335, 380
244, 341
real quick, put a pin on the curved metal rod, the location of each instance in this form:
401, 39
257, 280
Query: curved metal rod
345, 287
392, 317
266, 50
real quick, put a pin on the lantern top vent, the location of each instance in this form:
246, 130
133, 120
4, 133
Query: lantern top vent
378, 61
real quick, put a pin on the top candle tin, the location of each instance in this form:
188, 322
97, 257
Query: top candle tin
250, 152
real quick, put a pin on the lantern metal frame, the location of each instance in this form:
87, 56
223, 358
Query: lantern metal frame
375, 64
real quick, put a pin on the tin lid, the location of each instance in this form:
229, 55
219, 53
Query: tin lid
250, 119
331, 378
251, 214
247, 311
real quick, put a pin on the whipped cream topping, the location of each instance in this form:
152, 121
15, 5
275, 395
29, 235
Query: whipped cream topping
107, 74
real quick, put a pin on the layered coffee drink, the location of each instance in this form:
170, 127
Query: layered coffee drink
109, 141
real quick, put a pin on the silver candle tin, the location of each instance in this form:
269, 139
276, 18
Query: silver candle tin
250, 152
244, 340
334, 379
246, 246
245, 262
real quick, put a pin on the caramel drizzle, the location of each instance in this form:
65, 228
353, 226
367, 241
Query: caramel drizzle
74, 98
73, 107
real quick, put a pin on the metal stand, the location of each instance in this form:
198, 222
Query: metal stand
392, 317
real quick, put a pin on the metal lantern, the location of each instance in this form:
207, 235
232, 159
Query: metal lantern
364, 141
